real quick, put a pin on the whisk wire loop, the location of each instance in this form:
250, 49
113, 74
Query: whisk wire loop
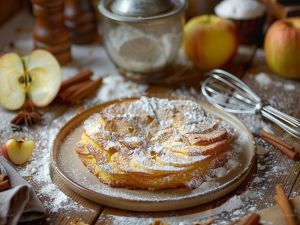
238, 83
228, 92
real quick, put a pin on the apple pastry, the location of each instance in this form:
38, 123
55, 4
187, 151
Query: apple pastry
153, 143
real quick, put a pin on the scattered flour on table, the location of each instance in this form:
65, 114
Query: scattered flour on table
115, 87
264, 79
39, 170
233, 203
278, 92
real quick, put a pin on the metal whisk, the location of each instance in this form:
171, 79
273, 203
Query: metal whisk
227, 92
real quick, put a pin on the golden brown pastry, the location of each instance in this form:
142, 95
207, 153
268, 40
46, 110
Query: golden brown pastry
152, 143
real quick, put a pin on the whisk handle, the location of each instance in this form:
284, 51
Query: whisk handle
286, 122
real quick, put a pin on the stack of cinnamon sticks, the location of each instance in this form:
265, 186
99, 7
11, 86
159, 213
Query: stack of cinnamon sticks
281, 145
4, 182
78, 87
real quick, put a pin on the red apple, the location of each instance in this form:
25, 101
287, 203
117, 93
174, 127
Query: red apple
17, 152
210, 41
282, 47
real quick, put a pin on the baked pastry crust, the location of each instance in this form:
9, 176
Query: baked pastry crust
152, 143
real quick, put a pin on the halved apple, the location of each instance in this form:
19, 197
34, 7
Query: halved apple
36, 77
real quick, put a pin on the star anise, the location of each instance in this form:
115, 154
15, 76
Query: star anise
27, 116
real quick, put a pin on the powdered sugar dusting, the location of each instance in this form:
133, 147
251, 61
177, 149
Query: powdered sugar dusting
143, 133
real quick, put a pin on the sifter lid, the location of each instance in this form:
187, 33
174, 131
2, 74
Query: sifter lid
139, 10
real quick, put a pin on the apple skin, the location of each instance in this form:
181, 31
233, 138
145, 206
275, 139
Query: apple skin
210, 42
4, 151
282, 47
16, 151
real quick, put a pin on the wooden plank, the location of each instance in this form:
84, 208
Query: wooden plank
273, 166
284, 95
274, 216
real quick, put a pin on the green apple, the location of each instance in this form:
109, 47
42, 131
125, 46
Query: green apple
36, 76
282, 47
210, 41
16, 151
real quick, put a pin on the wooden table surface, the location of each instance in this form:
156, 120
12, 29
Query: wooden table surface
247, 64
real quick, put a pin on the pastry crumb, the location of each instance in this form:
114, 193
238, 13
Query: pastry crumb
158, 222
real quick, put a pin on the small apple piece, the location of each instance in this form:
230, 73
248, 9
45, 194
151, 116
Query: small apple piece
210, 42
12, 90
44, 71
17, 152
282, 47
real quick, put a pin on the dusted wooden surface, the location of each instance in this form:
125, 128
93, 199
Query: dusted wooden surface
249, 61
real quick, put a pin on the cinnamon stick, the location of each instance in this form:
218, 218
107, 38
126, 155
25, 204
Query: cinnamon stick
285, 205
67, 92
85, 91
80, 89
287, 151
264, 134
79, 77
252, 219
4, 185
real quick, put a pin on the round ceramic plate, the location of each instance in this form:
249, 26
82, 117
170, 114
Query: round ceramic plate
71, 170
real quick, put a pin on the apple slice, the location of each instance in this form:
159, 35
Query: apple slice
18, 152
45, 74
12, 90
